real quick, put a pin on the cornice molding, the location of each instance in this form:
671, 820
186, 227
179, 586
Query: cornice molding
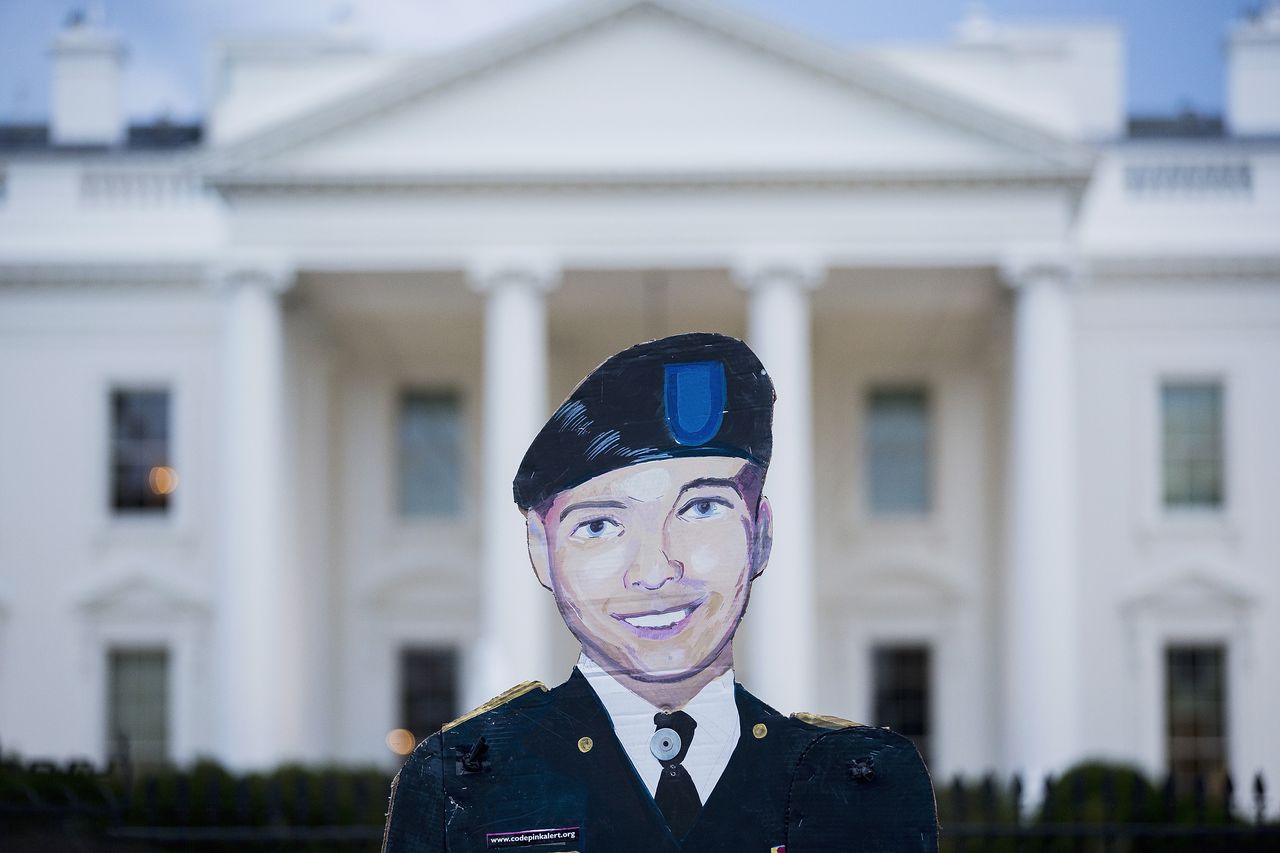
419, 78
287, 183
1159, 267
163, 275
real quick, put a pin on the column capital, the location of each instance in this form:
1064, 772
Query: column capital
1019, 269
538, 270
804, 270
272, 272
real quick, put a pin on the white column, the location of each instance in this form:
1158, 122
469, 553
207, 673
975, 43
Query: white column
257, 721
516, 613
779, 628
1041, 622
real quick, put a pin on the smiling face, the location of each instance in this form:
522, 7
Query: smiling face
651, 564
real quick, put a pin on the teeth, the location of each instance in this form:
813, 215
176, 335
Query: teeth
658, 620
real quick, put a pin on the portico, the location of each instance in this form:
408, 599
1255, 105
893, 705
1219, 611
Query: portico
509, 332
857, 229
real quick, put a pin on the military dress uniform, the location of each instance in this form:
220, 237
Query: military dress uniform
543, 770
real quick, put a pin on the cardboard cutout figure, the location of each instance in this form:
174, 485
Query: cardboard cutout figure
643, 497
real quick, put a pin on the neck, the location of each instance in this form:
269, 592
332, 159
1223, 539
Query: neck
671, 695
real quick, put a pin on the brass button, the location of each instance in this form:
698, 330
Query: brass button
759, 730
585, 744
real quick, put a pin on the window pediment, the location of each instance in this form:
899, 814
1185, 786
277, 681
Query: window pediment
142, 597
1193, 590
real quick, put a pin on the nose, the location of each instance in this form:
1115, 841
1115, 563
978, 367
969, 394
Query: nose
652, 568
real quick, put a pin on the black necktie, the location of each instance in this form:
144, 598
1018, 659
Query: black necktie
677, 796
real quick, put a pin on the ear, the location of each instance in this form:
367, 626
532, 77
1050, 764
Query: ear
763, 542
539, 551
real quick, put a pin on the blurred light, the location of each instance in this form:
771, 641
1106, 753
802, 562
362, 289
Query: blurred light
163, 480
400, 741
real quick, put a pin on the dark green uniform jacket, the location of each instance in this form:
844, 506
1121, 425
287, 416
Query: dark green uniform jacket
551, 776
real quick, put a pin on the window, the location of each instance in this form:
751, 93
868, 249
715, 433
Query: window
138, 705
1196, 711
428, 689
1192, 443
430, 454
897, 448
901, 692
141, 476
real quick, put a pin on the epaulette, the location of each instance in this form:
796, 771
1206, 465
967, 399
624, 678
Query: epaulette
823, 721
497, 701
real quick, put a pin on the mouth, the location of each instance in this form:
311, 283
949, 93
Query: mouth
658, 624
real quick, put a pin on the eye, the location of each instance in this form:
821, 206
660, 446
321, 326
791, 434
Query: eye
596, 528
704, 508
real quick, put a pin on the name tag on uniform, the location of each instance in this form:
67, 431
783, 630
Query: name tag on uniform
531, 838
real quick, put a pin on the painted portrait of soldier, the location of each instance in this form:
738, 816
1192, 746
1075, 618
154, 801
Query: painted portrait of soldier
645, 501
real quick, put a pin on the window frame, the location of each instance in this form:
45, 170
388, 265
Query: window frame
394, 619
406, 649
1223, 648
1202, 510
175, 526
400, 397
1190, 607
900, 605
148, 609
929, 736
932, 443
109, 652
144, 514
1151, 519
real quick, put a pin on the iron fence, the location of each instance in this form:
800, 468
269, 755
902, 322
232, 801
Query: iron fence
1103, 808
1093, 808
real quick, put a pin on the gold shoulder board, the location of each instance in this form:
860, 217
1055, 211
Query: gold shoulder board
823, 721
501, 699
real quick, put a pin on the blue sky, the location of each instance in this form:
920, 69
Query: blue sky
1175, 47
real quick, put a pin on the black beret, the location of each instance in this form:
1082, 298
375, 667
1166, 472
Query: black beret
698, 394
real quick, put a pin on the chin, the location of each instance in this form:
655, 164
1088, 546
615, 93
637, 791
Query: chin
664, 669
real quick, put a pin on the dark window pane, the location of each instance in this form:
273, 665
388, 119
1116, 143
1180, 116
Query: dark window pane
901, 691
1191, 415
428, 689
141, 476
138, 705
430, 454
1195, 710
897, 446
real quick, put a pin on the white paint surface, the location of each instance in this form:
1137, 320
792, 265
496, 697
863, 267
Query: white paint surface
285, 605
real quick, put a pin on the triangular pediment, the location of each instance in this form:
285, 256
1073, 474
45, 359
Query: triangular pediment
421, 590
906, 587
1195, 589
140, 597
648, 86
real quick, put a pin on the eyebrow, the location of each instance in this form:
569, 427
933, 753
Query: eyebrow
591, 505
717, 482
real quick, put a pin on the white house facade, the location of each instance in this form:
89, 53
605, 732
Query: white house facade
265, 386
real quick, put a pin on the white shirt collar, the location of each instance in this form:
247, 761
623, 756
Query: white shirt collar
714, 708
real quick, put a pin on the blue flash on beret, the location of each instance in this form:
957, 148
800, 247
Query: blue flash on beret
693, 399
696, 394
